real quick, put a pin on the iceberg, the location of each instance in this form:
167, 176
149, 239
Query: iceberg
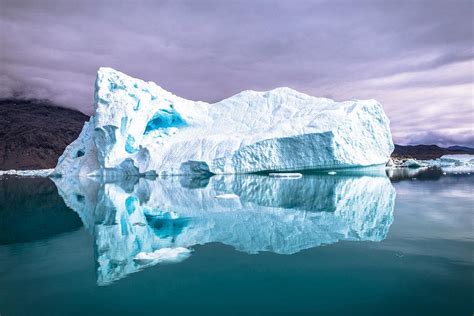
141, 129
137, 222
458, 159
455, 163
412, 163
27, 173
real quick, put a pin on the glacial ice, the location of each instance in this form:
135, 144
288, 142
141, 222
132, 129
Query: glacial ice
458, 159
412, 163
27, 173
455, 163
134, 219
140, 128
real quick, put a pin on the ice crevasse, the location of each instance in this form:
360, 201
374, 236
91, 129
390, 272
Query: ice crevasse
140, 128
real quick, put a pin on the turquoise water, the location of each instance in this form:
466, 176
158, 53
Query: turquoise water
352, 244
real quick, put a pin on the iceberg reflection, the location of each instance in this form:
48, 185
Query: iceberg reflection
140, 222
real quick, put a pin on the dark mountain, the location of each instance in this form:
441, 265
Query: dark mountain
462, 148
34, 133
425, 152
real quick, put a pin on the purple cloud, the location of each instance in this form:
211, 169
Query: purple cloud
416, 57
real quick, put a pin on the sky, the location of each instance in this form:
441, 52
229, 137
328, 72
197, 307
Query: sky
415, 57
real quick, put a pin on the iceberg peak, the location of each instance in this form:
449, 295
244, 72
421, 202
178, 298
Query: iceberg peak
139, 127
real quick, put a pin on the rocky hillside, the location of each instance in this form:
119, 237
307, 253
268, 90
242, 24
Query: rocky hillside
426, 152
33, 134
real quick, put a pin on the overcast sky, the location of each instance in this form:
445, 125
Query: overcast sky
415, 57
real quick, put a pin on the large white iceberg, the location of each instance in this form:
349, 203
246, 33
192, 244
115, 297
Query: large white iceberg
138, 128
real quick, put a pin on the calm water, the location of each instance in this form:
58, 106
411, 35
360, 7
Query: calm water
352, 244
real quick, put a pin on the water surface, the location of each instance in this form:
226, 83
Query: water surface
352, 244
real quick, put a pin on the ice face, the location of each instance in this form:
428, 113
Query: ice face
142, 125
141, 222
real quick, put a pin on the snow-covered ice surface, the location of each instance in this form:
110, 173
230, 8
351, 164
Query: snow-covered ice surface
138, 127
27, 173
134, 219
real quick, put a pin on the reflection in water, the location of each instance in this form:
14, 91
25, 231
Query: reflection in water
138, 223
398, 174
31, 210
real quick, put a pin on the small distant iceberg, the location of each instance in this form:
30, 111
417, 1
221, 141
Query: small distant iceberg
456, 163
458, 160
27, 173
412, 163
141, 129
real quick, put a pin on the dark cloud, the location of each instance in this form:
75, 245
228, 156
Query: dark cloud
416, 57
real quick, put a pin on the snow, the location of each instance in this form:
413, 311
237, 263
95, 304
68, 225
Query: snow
27, 173
132, 220
138, 128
